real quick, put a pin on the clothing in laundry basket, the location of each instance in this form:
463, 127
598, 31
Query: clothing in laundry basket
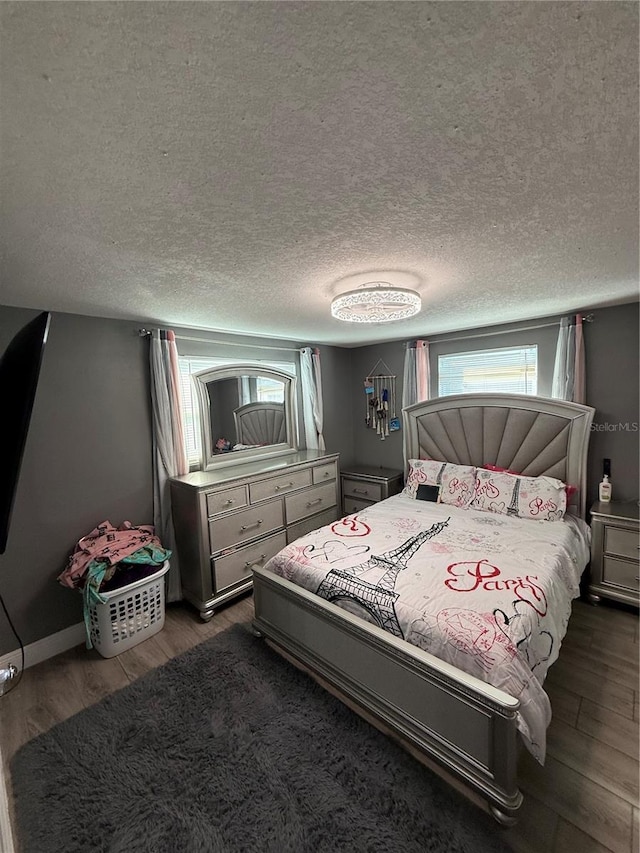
111, 545
98, 556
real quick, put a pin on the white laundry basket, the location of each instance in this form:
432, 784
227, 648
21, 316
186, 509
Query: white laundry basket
129, 615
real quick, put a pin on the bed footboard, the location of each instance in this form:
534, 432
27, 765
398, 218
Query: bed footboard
465, 725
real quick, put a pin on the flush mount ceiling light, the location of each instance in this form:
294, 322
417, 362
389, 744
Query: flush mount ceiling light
376, 302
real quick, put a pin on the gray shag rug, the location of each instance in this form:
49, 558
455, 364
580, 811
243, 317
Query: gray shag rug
230, 748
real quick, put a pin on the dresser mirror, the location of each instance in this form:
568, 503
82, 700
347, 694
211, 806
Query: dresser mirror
246, 411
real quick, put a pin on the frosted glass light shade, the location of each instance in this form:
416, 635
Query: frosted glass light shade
378, 302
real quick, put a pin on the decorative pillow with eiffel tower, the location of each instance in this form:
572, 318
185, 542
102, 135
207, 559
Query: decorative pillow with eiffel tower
538, 498
456, 482
569, 489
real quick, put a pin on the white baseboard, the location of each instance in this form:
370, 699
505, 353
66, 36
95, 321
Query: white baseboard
46, 648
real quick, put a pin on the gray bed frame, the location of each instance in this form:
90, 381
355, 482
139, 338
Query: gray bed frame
260, 423
454, 719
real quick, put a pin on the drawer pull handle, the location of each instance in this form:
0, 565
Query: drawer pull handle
286, 486
317, 501
260, 559
361, 491
249, 526
229, 502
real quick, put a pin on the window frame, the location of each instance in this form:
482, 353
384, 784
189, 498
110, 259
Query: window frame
530, 386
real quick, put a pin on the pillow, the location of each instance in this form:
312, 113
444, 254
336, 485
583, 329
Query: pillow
456, 481
571, 490
500, 469
538, 498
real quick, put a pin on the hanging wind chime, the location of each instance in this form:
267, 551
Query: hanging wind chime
380, 406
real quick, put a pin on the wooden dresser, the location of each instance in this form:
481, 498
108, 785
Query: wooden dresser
228, 520
615, 568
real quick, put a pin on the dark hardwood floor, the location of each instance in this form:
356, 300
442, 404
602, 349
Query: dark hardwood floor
584, 799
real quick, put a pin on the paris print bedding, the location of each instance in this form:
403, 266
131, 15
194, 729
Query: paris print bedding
490, 594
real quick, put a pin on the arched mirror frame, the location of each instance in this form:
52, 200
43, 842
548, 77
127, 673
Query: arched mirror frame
201, 379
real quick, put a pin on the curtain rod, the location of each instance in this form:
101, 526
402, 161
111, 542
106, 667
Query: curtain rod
588, 318
147, 332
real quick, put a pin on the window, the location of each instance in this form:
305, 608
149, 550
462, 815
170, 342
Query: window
511, 370
258, 389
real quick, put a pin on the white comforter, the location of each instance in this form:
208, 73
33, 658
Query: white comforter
488, 593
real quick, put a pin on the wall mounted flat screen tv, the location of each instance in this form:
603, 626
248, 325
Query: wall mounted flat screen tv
19, 372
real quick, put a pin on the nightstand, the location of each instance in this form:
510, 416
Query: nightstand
363, 485
615, 543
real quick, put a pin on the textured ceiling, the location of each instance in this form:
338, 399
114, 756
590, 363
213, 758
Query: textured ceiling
234, 165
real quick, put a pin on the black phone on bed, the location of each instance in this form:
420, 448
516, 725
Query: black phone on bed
428, 493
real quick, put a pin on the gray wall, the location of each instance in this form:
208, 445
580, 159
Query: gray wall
611, 355
368, 447
338, 426
545, 336
612, 351
87, 459
88, 455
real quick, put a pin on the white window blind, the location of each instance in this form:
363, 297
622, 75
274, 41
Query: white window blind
194, 364
510, 370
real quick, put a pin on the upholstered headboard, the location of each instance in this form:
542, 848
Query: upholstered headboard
260, 423
531, 435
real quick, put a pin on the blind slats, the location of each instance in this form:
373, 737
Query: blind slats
510, 370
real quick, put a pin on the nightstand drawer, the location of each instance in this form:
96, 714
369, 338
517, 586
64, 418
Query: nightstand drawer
621, 573
362, 490
353, 505
621, 542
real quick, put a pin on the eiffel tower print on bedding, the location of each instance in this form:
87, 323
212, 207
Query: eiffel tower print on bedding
490, 594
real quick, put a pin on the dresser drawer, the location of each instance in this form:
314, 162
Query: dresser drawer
362, 490
295, 531
325, 473
279, 485
622, 542
353, 505
309, 502
242, 526
621, 573
227, 499
236, 567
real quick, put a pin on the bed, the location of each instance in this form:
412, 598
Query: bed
258, 424
392, 608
